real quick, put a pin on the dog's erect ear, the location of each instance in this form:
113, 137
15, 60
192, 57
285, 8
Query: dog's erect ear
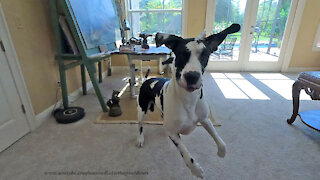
168, 40
212, 42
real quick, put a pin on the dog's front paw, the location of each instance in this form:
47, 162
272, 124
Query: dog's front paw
195, 168
140, 140
222, 149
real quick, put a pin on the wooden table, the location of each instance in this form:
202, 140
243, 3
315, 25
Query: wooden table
310, 82
153, 53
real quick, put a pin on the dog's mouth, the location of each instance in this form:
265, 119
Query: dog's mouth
191, 89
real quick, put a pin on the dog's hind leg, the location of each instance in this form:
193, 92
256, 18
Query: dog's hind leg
141, 116
207, 124
188, 159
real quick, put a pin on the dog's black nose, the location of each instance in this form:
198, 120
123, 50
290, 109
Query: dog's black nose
191, 77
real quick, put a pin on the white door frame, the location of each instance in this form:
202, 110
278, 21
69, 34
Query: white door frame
290, 35
295, 19
16, 70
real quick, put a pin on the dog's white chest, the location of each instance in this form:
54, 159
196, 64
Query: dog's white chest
179, 118
188, 123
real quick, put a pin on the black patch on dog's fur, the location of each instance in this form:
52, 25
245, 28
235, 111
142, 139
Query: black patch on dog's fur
176, 144
141, 129
161, 99
203, 58
152, 107
182, 58
191, 160
201, 94
147, 94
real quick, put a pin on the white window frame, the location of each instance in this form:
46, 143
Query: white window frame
182, 11
315, 47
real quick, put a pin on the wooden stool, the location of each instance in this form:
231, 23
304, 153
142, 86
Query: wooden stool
310, 82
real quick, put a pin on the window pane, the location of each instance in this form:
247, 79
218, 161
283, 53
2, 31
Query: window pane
155, 4
269, 30
226, 13
173, 4
146, 22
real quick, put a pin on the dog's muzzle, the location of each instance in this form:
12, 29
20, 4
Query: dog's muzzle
193, 81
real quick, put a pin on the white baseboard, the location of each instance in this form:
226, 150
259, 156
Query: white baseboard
47, 113
301, 69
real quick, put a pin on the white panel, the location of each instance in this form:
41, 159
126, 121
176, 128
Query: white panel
5, 113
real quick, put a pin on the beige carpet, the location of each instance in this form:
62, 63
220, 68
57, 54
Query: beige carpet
260, 143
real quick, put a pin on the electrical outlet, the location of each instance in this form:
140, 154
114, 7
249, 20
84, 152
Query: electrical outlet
18, 22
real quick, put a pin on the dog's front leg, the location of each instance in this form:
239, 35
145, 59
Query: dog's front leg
140, 138
188, 159
207, 124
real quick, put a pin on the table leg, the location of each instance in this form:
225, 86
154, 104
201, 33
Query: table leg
109, 66
132, 76
160, 66
141, 71
296, 88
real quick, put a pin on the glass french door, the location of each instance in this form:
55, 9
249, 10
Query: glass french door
258, 46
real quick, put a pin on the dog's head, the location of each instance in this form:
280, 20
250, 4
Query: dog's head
192, 55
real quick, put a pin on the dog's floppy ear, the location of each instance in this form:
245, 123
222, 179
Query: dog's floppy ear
168, 40
212, 42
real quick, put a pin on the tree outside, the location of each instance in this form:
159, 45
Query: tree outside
270, 24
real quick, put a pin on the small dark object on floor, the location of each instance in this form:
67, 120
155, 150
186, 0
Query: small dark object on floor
68, 115
113, 104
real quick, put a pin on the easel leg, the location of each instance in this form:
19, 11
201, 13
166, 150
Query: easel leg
100, 72
83, 79
63, 82
91, 70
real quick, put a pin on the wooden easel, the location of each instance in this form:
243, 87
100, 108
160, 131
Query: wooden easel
86, 57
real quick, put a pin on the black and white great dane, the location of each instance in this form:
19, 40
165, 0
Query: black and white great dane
181, 98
